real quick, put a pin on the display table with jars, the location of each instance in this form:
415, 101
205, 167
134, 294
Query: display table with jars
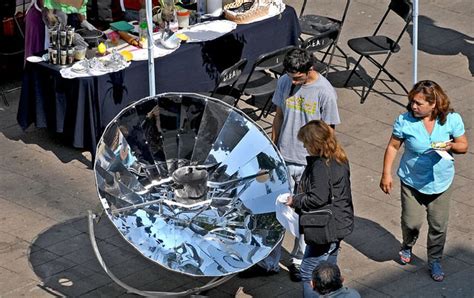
80, 108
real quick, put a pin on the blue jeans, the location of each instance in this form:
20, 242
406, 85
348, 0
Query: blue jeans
312, 258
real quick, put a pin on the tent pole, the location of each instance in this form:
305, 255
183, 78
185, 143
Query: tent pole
415, 41
151, 60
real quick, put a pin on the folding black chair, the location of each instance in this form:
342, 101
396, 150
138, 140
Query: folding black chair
322, 26
225, 86
261, 82
369, 46
318, 43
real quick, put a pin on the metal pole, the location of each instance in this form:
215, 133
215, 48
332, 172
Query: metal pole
415, 41
151, 60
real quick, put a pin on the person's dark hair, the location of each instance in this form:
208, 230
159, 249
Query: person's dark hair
326, 278
433, 93
298, 60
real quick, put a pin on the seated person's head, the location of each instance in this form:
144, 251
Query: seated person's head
326, 278
297, 64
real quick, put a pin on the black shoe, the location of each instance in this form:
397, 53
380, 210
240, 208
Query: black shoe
255, 271
295, 274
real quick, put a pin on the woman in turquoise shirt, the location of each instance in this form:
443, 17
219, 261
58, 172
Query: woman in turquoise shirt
425, 175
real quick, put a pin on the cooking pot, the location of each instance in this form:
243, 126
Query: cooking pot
92, 37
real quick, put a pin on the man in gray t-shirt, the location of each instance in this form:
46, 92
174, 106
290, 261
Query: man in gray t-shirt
302, 95
313, 100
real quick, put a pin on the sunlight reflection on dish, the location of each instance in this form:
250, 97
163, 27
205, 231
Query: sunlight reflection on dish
191, 183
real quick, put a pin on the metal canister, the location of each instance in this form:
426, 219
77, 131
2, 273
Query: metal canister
53, 55
70, 55
63, 56
70, 36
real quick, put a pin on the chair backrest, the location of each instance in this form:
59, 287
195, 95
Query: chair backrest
272, 59
402, 8
229, 76
322, 41
267, 61
344, 13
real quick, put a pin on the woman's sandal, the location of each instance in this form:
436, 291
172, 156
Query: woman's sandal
437, 273
405, 256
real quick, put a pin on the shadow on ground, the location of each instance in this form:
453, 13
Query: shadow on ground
436, 40
47, 140
360, 81
62, 257
380, 246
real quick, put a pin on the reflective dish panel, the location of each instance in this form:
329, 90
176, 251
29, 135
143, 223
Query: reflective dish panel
191, 183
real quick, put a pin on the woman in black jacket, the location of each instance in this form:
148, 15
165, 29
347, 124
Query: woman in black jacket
327, 165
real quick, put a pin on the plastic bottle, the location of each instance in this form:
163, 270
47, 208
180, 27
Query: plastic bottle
142, 31
142, 26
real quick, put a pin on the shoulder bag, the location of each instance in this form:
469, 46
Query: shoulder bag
319, 226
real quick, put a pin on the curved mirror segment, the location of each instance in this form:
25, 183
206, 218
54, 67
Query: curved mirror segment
191, 183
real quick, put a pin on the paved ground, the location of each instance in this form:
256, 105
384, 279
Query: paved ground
46, 188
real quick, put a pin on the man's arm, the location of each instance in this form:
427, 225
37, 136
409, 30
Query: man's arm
329, 109
276, 127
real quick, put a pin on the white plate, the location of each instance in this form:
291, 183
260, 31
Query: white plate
34, 59
78, 67
208, 30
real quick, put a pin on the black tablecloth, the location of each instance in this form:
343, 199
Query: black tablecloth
81, 108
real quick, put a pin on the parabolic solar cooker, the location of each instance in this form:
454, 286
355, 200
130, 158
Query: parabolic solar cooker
191, 183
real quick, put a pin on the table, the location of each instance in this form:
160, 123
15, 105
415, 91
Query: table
81, 108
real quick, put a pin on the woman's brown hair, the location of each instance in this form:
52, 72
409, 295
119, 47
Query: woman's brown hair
433, 93
319, 139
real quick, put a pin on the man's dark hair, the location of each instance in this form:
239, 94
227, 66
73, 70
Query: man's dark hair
327, 278
298, 60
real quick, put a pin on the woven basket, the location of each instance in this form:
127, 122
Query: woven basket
257, 10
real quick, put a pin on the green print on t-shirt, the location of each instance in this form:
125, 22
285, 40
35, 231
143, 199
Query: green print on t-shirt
300, 104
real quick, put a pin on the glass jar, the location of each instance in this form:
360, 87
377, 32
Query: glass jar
183, 18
